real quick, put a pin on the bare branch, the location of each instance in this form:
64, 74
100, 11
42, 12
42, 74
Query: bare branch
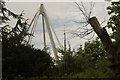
80, 8
85, 11
92, 6
84, 31
103, 22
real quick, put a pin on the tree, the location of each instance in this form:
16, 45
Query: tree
87, 62
94, 62
69, 63
112, 48
19, 59
28, 63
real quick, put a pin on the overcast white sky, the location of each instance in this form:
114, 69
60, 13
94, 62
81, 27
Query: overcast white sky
61, 15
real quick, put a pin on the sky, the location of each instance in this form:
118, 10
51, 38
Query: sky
61, 15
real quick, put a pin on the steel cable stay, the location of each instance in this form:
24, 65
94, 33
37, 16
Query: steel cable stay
35, 24
32, 27
54, 33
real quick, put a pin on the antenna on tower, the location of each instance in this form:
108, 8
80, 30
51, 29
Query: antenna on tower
64, 39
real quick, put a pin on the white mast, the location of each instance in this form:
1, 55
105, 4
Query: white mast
42, 10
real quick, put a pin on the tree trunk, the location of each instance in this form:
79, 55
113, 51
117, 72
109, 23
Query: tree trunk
117, 55
113, 54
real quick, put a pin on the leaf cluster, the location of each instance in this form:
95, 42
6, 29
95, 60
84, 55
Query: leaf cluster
113, 11
85, 60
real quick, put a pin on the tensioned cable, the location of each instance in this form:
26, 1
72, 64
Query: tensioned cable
34, 23
34, 26
60, 45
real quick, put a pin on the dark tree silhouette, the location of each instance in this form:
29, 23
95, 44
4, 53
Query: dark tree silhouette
17, 58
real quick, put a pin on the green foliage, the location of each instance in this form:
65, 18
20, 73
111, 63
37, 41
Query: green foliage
114, 8
5, 13
19, 60
113, 11
88, 62
22, 62
93, 50
67, 62
26, 62
95, 63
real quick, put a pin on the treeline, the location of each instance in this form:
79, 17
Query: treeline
87, 62
24, 62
